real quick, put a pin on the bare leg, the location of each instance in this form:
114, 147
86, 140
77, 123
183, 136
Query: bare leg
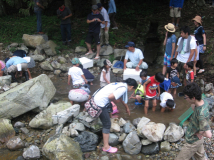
164, 69
110, 115
138, 98
194, 67
29, 74
173, 20
175, 92
89, 47
72, 102
98, 50
1, 73
146, 107
154, 103
105, 141
178, 19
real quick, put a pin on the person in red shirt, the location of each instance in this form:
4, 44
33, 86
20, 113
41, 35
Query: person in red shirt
150, 88
190, 73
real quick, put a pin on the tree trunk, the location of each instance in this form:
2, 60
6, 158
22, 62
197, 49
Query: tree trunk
2, 8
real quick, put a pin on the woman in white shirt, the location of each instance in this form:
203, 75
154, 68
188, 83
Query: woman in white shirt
116, 92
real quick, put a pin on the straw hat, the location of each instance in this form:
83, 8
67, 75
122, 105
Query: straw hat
170, 27
197, 19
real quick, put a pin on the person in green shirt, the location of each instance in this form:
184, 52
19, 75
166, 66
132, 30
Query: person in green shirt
198, 126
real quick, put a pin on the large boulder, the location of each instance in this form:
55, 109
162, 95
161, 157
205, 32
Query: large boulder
55, 64
52, 115
35, 93
31, 152
106, 50
141, 125
80, 49
88, 141
132, 144
154, 131
113, 139
49, 48
46, 66
118, 53
61, 147
5, 80
33, 40
6, 130
173, 133
38, 57
151, 149
128, 127
15, 143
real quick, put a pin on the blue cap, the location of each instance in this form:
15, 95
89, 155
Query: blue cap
130, 44
176, 80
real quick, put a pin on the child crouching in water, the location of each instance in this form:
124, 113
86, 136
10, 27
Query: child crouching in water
167, 102
105, 73
150, 87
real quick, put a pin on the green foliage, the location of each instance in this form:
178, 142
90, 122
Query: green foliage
111, 58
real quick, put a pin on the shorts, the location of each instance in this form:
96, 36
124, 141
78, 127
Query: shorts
151, 98
75, 86
175, 12
166, 60
201, 48
91, 35
14, 68
181, 68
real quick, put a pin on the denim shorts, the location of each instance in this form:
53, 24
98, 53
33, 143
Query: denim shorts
152, 98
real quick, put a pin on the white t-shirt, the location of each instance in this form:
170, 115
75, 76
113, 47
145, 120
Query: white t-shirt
75, 73
164, 97
118, 89
184, 56
107, 75
135, 56
105, 15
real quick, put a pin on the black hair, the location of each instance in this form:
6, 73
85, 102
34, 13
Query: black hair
131, 82
173, 61
104, 67
170, 103
190, 65
143, 73
61, 3
159, 77
169, 34
6, 59
192, 90
185, 29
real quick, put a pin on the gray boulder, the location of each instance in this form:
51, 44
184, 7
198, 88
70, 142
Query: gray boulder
12, 85
49, 48
122, 137
62, 60
136, 121
128, 127
173, 133
80, 49
55, 64
33, 40
64, 68
165, 146
88, 141
31, 152
208, 87
35, 93
141, 125
15, 143
20, 158
90, 56
24, 130
38, 57
19, 125
150, 149
98, 62
106, 50
146, 142
113, 139
57, 72
46, 66
119, 52
77, 126
132, 144
5, 80
61, 147
6, 131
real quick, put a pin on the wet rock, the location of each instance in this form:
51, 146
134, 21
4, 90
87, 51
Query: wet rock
106, 50
66, 131
31, 152
119, 52
128, 127
73, 132
6, 87
59, 129
49, 48
23, 47
96, 126
64, 68
202, 82
113, 139
15, 143
45, 120
104, 158
99, 62
33, 40
57, 72
150, 149
13, 45
122, 122
173, 133
46, 66
84, 118
115, 126
154, 131
141, 125
38, 57
88, 141
118, 156
62, 60
20, 158
136, 121
208, 87
55, 64
132, 144
61, 147
24, 130
5, 80
12, 85
6, 130
35, 93
146, 142
77, 126
90, 56
80, 49
122, 137
19, 125
165, 146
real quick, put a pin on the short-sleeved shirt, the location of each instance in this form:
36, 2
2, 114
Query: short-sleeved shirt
143, 81
2, 65
172, 72
198, 32
189, 75
199, 121
14, 61
169, 42
151, 87
118, 89
164, 97
184, 56
107, 75
105, 15
135, 56
94, 27
36, 7
76, 75
63, 14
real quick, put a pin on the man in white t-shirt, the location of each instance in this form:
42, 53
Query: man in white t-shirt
136, 58
167, 101
185, 50
76, 74
104, 27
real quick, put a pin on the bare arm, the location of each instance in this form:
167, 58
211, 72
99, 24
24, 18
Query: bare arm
89, 21
164, 42
67, 16
84, 78
167, 75
104, 77
176, 53
69, 79
144, 85
158, 90
38, 4
205, 41
125, 61
173, 50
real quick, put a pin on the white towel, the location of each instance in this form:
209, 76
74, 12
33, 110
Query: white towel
27, 59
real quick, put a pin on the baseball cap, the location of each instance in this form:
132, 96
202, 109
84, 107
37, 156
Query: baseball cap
130, 44
75, 61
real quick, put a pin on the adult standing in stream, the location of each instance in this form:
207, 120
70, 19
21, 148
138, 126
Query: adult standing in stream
116, 92
38, 8
64, 13
198, 127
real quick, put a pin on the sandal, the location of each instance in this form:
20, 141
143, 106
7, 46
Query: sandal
88, 53
111, 150
97, 57
201, 71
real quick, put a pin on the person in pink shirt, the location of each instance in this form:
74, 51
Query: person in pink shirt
2, 66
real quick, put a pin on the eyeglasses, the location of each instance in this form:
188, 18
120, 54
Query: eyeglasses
185, 97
